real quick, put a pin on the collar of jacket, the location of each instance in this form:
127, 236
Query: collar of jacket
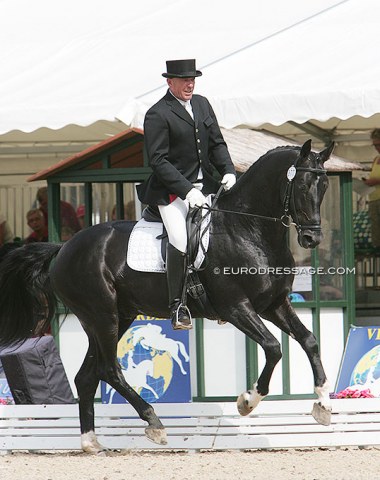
179, 110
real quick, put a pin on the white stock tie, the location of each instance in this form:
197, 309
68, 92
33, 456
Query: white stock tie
189, 109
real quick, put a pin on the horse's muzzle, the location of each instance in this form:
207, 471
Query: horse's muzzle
310, 238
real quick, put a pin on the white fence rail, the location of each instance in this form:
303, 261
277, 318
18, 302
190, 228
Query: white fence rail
194, 426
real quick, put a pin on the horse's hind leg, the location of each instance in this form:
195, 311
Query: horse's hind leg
155, 431
110, 372
101, 364
287, 320
86, 381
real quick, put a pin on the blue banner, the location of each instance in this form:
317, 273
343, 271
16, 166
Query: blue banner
361, 360
155, 361
5, 392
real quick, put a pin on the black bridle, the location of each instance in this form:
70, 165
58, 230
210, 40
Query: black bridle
289, 198
287, 217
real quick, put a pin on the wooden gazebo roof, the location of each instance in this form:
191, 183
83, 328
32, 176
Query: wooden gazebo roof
122, 155
124, 150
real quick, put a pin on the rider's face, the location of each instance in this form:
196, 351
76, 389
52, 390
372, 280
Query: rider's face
182, 88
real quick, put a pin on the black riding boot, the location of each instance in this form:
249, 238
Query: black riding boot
175, 271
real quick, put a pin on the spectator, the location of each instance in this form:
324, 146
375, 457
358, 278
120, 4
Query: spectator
66, 234
129, 211
36, 221
80, 215
6, 234
374, 197
68, 214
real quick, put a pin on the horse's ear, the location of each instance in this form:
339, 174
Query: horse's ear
325, 154
306, 149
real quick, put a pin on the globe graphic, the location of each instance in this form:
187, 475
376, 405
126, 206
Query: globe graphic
367, 370
158, 378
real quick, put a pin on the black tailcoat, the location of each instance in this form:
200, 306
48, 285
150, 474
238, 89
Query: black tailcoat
177, 146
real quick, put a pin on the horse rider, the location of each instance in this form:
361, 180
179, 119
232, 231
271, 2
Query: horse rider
184, 144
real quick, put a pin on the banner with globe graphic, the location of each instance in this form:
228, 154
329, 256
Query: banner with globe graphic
361, 360
155, 361
5, 391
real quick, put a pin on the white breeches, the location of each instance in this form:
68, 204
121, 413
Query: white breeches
174, 219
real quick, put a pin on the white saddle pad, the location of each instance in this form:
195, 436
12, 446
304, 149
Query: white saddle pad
144, 249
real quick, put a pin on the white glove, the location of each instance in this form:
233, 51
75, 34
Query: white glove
195, 198
228, 181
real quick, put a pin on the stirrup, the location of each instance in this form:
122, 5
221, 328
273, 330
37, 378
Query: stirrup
176, 324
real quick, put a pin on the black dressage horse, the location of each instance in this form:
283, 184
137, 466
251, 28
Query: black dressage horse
248, 229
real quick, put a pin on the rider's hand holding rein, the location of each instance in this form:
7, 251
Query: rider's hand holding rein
195, 198
228, 181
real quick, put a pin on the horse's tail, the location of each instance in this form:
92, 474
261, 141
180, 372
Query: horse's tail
27, 301
182, 349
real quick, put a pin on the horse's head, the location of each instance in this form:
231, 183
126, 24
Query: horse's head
308, 184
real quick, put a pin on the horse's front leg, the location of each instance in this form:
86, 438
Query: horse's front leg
246, 320
322, 408
287, 320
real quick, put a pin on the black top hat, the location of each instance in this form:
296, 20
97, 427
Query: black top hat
181, 69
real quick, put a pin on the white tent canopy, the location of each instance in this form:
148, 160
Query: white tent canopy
264, 64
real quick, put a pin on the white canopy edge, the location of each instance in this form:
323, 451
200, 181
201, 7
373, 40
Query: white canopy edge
262, 62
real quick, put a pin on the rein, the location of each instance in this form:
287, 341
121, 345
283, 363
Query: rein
286, 218
273, 219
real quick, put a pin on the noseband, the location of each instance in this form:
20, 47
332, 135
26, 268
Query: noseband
289, 198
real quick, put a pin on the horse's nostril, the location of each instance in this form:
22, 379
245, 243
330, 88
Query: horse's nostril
308, 238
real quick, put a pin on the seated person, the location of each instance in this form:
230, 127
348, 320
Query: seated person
80, 215
68, 213
129, 211
6, 234
36, 221
66, 234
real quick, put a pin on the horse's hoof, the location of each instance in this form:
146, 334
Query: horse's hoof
249, 400
103, 452
321, 414
157, 435
91, 445
243, 404
98, 451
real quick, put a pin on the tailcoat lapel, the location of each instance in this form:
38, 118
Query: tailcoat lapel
178, 109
